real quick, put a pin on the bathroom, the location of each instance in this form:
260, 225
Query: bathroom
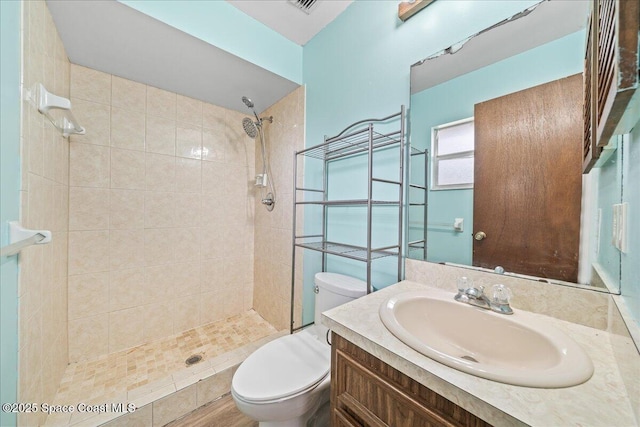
92, 190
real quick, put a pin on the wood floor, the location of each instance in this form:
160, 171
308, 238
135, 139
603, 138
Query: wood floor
220, 413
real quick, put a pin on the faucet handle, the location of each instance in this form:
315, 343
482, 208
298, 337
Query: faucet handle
463, 284
500, 294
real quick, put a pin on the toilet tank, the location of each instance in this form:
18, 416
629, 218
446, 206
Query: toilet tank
332, 290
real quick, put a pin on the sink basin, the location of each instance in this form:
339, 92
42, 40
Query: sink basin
519, 349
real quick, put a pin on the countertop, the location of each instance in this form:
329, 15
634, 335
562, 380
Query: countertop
601, 401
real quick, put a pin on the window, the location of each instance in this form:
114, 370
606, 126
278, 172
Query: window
452, 148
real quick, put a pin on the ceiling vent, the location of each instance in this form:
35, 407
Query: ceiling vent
304, 5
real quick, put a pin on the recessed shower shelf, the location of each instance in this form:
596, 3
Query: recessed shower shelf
349, 251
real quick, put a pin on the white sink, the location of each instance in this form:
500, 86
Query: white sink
519, 349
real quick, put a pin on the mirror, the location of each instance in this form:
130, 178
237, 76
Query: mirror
539, 45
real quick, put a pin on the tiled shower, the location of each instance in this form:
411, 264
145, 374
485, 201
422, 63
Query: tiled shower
156, 228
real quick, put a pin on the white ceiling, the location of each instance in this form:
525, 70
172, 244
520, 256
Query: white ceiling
114, 38
288, 20
548, 21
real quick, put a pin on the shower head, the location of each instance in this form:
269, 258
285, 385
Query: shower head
250, 127
247, 102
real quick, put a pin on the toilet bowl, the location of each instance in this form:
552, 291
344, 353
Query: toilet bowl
285, 383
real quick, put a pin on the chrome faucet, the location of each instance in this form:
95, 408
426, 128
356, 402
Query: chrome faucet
469, 294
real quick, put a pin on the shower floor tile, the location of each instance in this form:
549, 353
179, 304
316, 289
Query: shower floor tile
138, 373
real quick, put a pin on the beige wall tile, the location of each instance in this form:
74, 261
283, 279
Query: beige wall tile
34, 141
127, 169
158, 322
188, 176
126, 328
186, 313
158, 246
142, 417
159, 209
189, 110
126, 249
161, 103
48, 151
187, 209
88, 209
188, 244
90, 84
127, 129
89, 165
173, 222
211, 243
188, 141
215, 386
128, 95
174, 406
95, 118
212, 115
159, 282
188, 278
213, 175
212, 275
272, 235
235, 272
160, 135
213, 143
44, 203
126, 209
88, 337
212, 306
160, 172
127, 289
88, 252
88, 295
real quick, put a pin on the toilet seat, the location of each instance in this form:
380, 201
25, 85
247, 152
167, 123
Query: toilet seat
283, 368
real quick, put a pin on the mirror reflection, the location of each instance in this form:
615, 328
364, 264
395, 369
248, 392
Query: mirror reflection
496, 160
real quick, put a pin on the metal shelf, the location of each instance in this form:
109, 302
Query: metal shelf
349, 202
349, 251
362, 138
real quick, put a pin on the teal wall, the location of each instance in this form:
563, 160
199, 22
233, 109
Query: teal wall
224, 26
358, 67
454, 100
630, 280
9, 199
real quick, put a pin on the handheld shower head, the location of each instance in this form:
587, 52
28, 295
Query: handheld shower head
250, 127
247, 102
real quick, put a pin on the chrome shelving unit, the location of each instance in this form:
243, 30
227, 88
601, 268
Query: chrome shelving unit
362, 138
419, 244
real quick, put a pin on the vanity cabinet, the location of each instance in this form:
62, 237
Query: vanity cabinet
367, 392
611, 75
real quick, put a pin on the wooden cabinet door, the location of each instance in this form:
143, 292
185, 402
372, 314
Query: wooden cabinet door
528, 180
367, 392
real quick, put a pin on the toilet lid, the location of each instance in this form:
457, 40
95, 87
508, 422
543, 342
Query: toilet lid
281, 368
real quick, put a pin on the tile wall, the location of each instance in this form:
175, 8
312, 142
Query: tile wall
272, 261
161, 214
44, 154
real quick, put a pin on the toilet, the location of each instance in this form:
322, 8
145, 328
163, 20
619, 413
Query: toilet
285, 383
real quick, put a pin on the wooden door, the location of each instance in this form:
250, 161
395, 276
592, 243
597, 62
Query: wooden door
528, 180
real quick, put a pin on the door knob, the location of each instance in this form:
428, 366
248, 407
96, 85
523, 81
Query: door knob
480, 235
